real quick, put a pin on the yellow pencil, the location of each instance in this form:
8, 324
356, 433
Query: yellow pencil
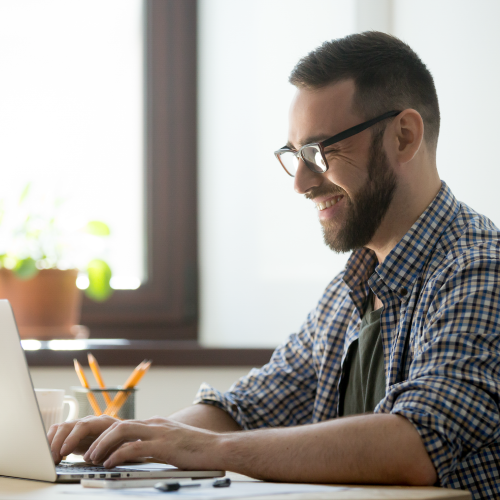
83, 381
111, 406
94, 366
122, 396
131, 382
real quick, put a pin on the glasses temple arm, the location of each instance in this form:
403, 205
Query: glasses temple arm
358, 128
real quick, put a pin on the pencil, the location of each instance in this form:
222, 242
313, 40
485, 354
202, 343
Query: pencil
123, 396
83, 381
94, 366
131, 382
132, 376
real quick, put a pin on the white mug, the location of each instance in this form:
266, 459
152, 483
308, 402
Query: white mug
51, 403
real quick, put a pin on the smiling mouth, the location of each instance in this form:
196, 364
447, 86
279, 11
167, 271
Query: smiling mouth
328, 203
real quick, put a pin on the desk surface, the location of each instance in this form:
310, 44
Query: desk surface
19, 489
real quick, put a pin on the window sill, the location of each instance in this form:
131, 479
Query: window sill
121, 352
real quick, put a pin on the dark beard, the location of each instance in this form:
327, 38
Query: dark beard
367, 209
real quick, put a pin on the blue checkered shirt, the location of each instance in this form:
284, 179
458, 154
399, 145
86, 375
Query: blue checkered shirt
440, 288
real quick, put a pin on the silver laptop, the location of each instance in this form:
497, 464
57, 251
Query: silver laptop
24, 449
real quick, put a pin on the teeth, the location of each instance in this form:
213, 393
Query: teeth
328, 203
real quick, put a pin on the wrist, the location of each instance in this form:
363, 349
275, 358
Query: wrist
221, 453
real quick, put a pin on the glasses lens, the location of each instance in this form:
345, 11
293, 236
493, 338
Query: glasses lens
290, 162
314, 159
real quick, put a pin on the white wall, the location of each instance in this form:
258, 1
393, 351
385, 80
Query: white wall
459, 40
161, 392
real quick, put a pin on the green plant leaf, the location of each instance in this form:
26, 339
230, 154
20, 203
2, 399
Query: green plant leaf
26, 269
25, 192
97, 228
99, 274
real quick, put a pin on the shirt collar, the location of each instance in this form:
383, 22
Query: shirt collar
406, 260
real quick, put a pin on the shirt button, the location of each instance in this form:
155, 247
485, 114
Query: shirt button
403, 291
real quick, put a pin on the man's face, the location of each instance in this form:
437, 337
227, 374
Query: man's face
353, 196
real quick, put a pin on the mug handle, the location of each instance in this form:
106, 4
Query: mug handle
73, 407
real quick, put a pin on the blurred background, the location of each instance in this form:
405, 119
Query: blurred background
76, 102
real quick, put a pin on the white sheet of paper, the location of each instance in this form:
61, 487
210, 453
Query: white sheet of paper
250, 489
238, 489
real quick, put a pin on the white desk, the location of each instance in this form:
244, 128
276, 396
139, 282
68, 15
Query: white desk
18, 489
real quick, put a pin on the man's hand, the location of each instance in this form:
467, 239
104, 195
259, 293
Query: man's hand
77, 435
164, 440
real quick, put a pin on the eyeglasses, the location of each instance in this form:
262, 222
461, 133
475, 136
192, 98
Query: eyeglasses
313, 155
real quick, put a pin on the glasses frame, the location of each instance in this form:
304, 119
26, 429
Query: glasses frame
332, 140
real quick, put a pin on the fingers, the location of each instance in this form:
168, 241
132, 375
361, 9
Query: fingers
50, 437
56, 437
130, 452
76, 436
89, 454
117, 434
167, 441
52, 433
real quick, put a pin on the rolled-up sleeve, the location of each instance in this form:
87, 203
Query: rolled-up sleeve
452, 392
281, 393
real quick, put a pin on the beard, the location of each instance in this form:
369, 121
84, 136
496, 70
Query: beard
366, 210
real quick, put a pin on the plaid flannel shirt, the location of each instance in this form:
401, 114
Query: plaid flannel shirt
440, 288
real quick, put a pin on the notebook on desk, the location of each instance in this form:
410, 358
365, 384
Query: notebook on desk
24, 448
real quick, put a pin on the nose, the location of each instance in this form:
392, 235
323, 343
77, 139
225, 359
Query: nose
306, 179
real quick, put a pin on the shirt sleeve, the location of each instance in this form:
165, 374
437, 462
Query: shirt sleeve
452, 392
281, 393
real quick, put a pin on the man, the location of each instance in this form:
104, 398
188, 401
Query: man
404, 343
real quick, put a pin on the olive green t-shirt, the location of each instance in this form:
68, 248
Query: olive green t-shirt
363, 385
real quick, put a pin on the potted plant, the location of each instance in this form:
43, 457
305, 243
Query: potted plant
43, 251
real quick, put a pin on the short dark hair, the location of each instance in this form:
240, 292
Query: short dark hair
387, 74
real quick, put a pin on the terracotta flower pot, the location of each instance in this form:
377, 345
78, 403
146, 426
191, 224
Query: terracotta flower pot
47, 306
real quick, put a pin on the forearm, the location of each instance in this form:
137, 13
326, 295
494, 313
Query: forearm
206, 417
376, 449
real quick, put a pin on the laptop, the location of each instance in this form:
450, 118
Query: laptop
25, 451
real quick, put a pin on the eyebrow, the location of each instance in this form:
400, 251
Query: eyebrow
309, 140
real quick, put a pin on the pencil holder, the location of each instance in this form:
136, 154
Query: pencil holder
93, 400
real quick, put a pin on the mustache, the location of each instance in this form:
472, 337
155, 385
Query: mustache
324, 191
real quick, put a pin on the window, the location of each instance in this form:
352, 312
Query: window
72, 119
146, 70
165, 306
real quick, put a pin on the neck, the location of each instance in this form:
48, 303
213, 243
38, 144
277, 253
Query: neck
410, 201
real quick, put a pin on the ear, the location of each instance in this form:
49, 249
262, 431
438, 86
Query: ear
409, 128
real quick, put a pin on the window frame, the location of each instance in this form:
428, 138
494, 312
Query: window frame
165, 306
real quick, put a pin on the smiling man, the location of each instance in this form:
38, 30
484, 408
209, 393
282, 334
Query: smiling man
394, 376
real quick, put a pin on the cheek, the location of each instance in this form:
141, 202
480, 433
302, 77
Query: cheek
350, 178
